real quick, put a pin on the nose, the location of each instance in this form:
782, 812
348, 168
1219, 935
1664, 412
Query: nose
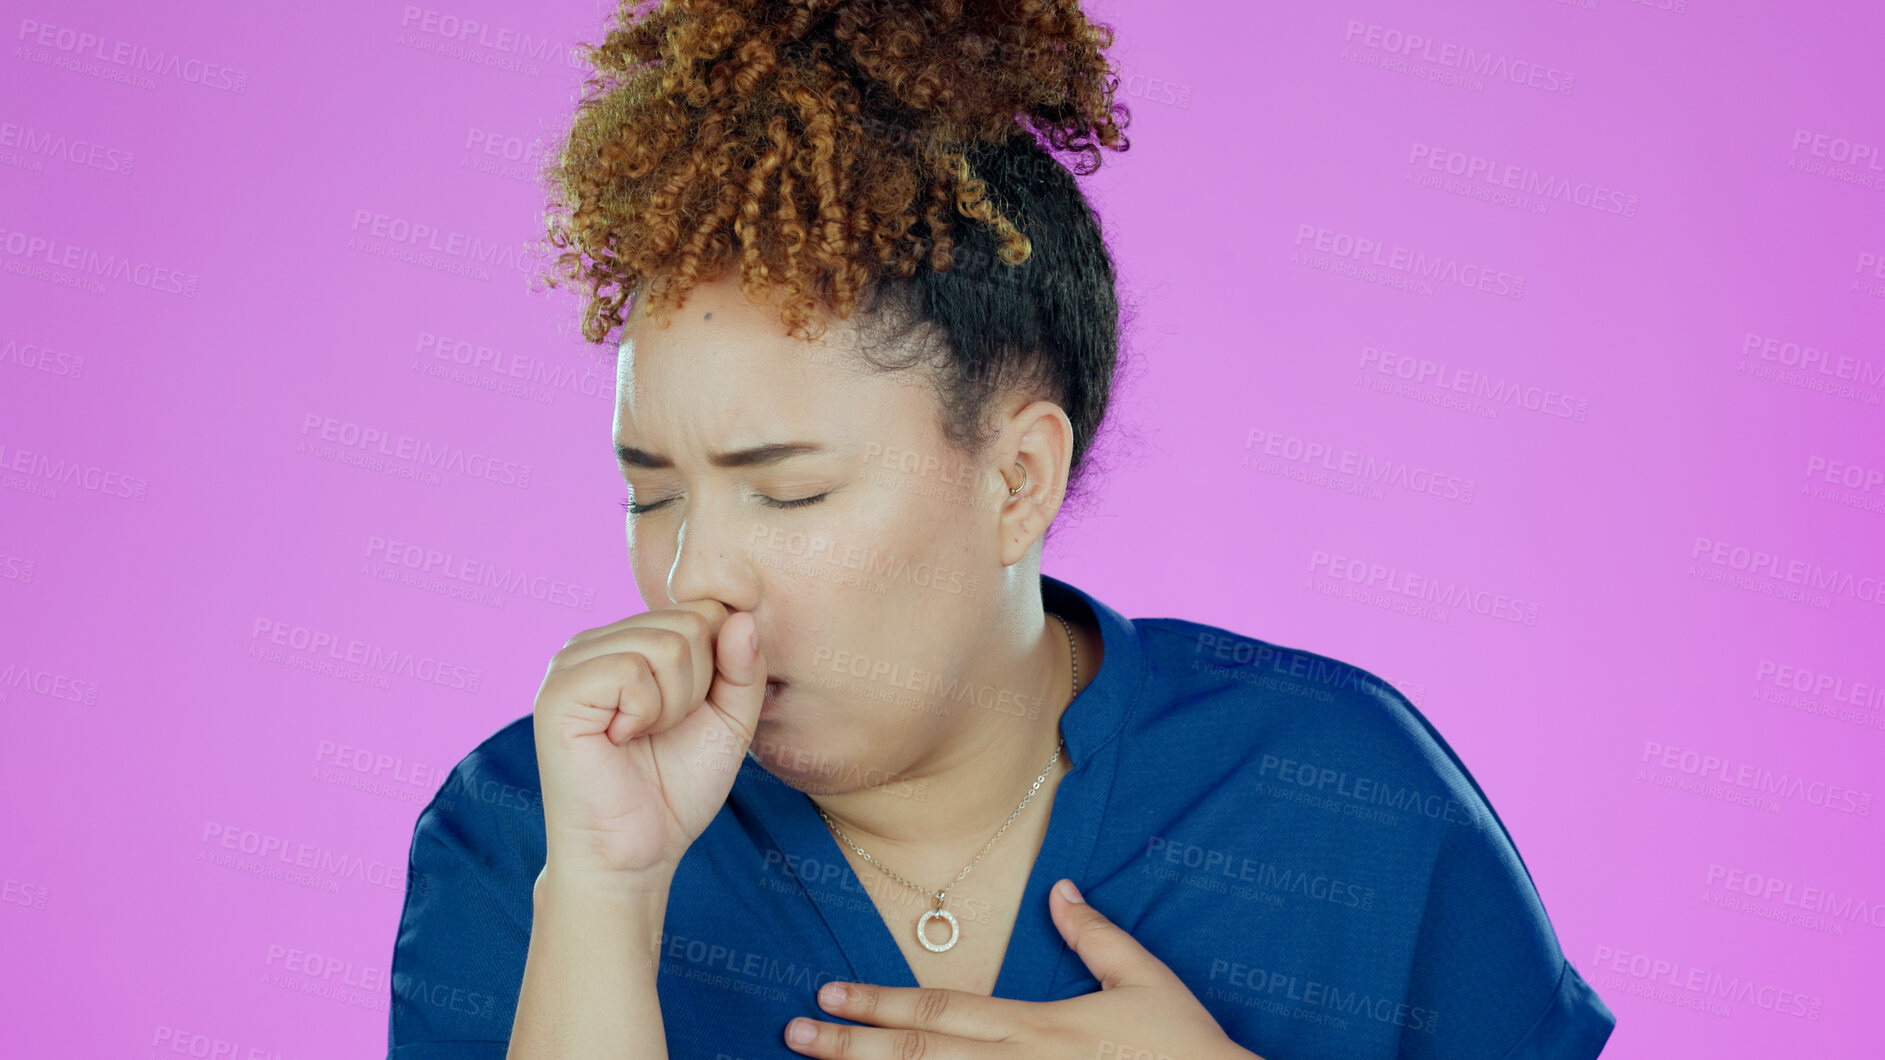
710, 562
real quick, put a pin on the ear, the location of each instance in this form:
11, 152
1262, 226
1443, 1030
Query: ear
1039, 437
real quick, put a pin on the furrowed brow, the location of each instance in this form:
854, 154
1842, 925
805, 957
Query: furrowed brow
757, 456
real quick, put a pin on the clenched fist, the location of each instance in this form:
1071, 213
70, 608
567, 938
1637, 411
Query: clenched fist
641, 727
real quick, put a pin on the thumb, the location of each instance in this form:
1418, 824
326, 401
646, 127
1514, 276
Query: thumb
739, 676
1113, 956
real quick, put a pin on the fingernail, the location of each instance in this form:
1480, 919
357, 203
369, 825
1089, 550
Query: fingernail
832, 994
1070, 892
754, 639
800, 1032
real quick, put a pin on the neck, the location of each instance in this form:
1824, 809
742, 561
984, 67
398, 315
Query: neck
984, 765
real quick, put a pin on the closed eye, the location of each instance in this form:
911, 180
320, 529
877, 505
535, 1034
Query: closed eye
641, 509
800, 503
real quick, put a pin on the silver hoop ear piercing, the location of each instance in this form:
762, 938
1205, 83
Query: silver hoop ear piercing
1024, 481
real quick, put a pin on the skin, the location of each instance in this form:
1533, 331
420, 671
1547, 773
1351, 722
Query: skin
722, 377
1142, 1009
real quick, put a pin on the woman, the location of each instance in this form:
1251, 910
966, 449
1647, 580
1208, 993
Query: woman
858, 737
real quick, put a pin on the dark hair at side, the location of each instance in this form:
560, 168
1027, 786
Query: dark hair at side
1048, 327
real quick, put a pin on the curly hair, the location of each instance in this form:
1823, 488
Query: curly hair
820, 144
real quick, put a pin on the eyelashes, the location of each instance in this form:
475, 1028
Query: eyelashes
800, 503
642, 509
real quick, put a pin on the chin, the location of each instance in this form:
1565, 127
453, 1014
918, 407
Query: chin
789, 755
778, 759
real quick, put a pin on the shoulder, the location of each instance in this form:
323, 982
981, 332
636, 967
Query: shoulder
507, 757
1325, 766
464, 930
1303, 719
489, 809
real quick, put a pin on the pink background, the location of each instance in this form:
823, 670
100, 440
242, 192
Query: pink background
1650, 441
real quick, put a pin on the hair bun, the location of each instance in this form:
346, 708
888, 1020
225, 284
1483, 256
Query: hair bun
817, 143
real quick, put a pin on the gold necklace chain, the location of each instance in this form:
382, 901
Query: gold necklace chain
955, 930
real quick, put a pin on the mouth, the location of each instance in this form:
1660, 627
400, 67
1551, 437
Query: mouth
775, 691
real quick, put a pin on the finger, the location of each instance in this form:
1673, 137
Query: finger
677, 643
616, 694
739, 677
713, 611
1109, 952
641, 687
953, 1012
694, 619
841, 1041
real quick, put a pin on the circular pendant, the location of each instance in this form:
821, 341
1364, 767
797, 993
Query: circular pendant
955, 931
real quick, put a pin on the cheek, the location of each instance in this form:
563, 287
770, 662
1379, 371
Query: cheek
915, 518
953, 533
650, 564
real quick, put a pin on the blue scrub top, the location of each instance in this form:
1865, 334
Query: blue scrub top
1285, 831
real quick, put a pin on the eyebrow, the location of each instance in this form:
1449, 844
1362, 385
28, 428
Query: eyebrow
757, 456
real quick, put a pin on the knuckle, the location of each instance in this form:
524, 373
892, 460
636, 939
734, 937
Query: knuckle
930, 1006
911, 1045
668, 646
571, 646
685, 642
641, 695
698, 628
638, 673
631, 677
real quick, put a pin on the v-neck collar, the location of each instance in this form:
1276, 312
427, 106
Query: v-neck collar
1037, 957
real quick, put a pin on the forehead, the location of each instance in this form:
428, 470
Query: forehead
724, 373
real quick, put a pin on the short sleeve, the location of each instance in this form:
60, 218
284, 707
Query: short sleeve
465, 929
1489, 981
